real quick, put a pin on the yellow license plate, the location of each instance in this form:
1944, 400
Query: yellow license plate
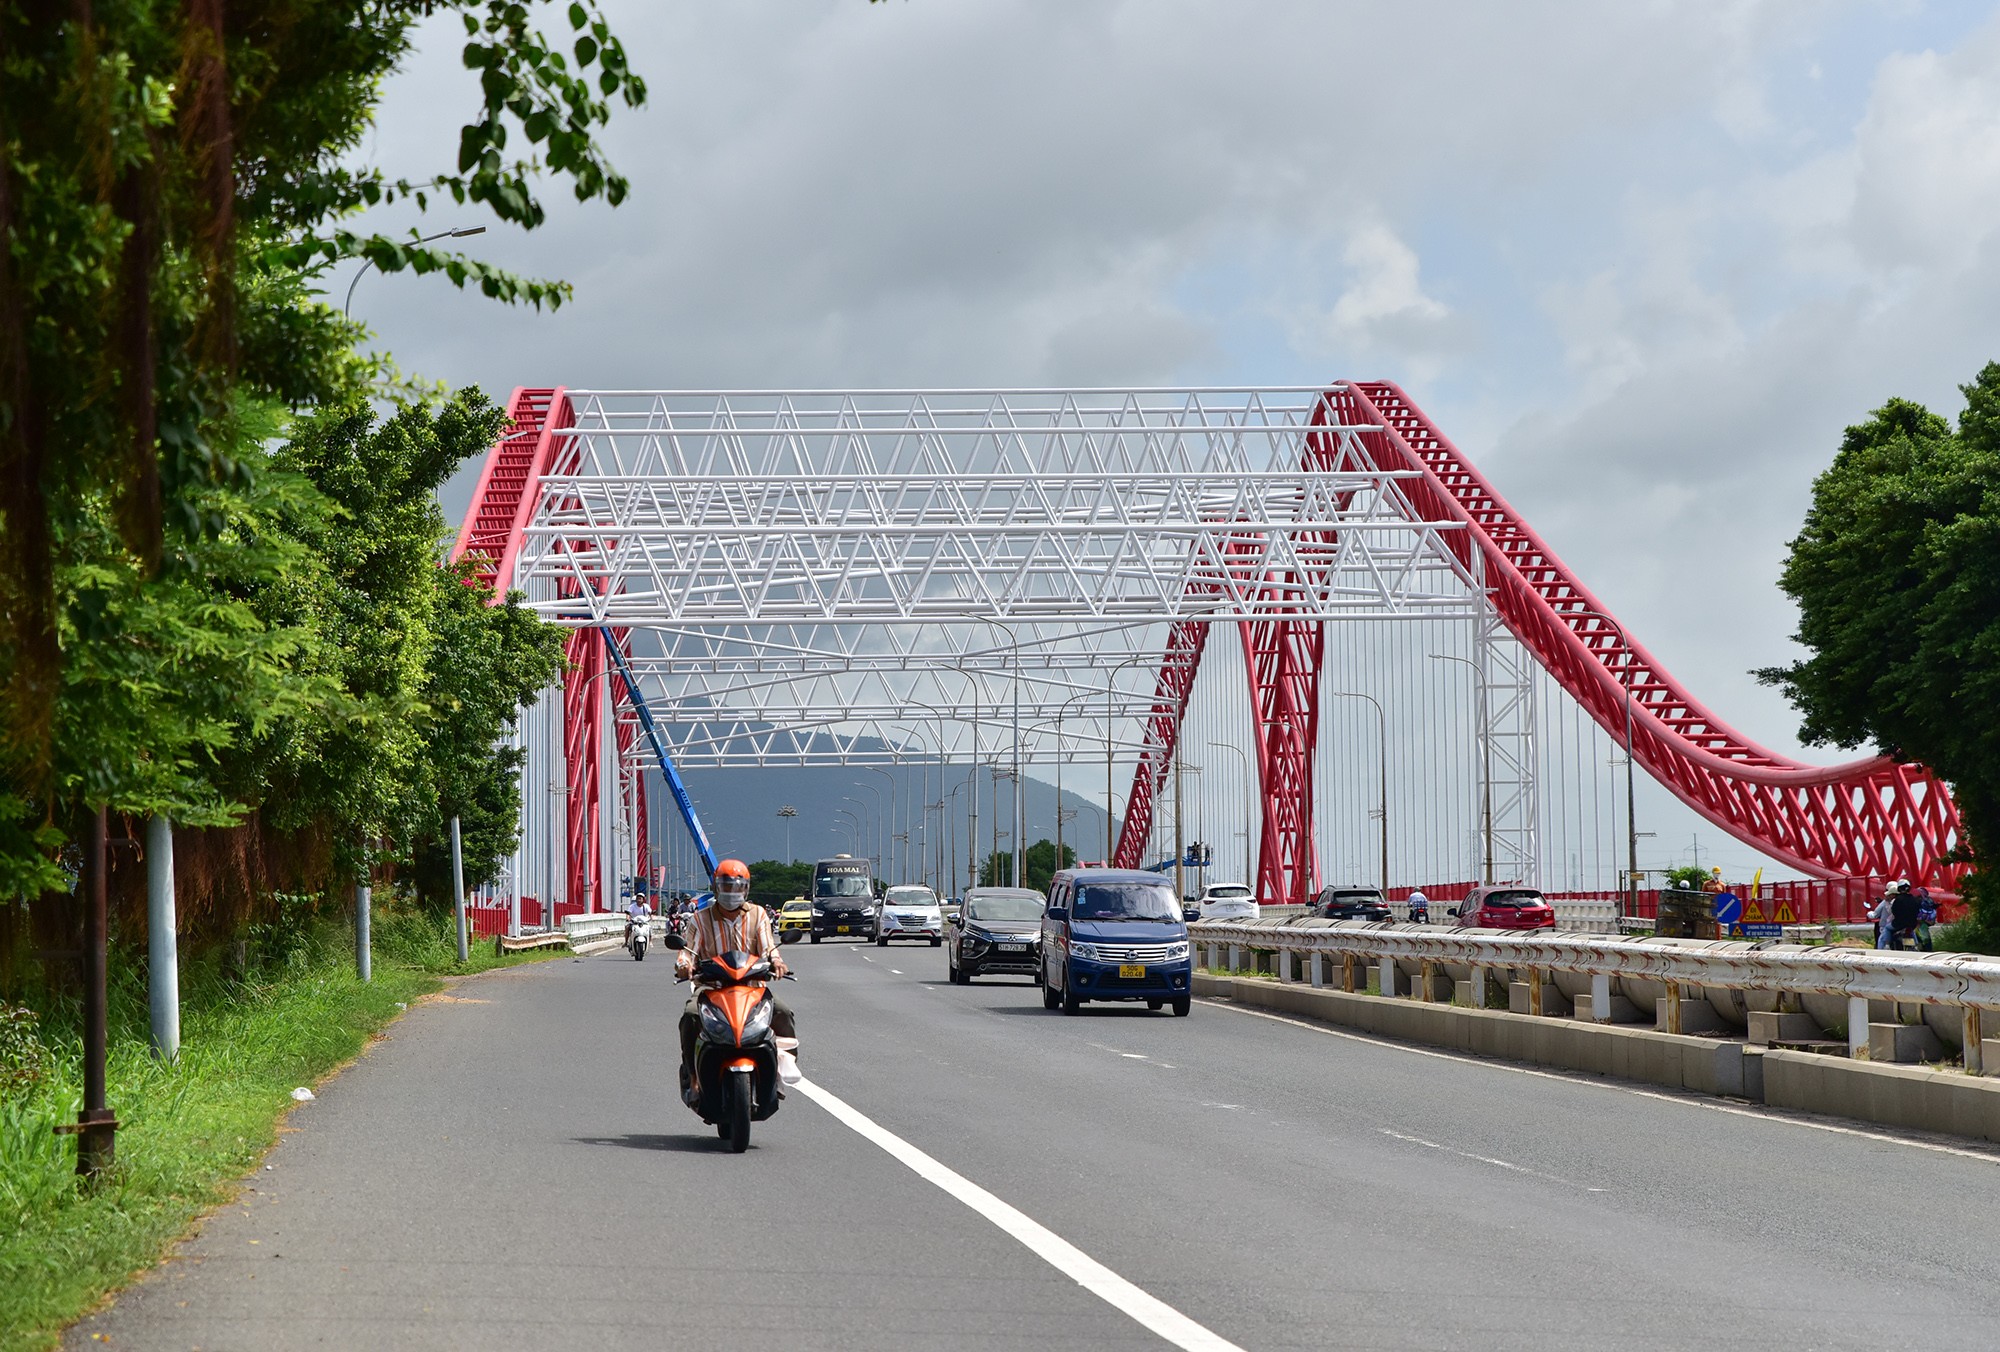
843, 929
1132, 970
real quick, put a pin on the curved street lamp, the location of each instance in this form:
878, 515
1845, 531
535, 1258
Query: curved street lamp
461, 233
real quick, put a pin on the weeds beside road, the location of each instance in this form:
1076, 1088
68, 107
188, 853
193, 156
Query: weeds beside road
187, 1131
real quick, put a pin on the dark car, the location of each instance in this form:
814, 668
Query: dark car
1115, 934
1504, 906
1349, 903
996, 929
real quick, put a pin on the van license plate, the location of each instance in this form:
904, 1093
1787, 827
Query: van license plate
843, 929
1132, 971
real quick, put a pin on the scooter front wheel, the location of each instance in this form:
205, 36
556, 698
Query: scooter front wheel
738, 1121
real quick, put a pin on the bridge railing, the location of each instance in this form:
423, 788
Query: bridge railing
1963, 982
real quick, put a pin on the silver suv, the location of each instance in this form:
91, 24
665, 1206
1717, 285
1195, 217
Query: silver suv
908, 912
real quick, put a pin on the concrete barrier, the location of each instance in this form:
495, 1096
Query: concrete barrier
1918, 1098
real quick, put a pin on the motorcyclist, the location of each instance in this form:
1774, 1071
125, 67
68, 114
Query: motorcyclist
732, 924
637, 913
1420, 907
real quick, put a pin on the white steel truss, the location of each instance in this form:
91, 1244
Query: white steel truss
900, 507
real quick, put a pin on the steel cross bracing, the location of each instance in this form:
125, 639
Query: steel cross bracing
763, 537
1086, 507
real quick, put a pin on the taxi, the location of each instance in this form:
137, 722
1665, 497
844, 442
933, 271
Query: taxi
795, 919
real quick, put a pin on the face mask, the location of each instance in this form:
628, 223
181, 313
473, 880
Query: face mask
729, 903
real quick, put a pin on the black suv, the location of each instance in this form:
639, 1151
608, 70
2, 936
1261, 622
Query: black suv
1349, 903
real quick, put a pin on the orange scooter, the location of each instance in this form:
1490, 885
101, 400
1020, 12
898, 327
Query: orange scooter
735, 1053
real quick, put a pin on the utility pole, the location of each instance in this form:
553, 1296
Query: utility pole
458, 889
96, 1127
162, 940
788, 812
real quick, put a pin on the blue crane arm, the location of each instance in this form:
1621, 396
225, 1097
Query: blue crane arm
673, 776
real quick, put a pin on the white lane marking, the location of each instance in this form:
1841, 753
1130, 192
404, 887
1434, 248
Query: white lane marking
1484, 1159
1133, 1056
895, 971
1760, 1115
1072, 1262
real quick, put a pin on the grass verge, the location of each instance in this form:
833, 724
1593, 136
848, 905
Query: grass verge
187, 1131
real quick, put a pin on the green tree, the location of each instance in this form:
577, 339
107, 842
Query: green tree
430, 675
174, 175
773, 883
1897, 578
1038, 866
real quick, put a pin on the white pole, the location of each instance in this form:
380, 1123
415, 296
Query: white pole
458, 889
163, 969
362, 963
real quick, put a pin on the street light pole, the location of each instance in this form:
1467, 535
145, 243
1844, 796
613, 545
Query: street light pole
1249, 793
1631, 817
788, 812
1382, 740
1485, 756
461, 233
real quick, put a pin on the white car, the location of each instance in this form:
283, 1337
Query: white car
908, 912
1228, 901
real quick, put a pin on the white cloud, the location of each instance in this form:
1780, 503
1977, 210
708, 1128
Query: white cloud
1595, 241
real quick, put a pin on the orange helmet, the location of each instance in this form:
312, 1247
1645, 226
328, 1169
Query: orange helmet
732, 884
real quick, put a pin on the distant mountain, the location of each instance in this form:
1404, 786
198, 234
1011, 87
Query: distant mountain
739, 810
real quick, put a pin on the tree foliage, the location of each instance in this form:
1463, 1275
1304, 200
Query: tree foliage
190, 622
1897, 578
1038, 866
773, 883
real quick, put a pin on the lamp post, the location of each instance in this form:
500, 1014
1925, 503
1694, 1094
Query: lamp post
788, 812
871, 832
1249, 793
367, 263
1631, 817
1111, 689
876, 769
1382, 740
1485, 757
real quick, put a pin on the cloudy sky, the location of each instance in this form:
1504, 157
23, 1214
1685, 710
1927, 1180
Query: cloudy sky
1641, 260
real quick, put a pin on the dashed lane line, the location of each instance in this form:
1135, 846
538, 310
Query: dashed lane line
1757, 1114
1072, 1262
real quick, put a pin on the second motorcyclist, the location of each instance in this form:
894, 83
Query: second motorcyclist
732, 924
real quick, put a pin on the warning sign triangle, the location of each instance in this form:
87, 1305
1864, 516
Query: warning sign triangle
1784, 915
1753, 913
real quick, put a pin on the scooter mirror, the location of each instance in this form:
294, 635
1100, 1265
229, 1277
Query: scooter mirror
674, 940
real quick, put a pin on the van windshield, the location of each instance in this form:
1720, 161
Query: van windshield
911, 896
842, 885
1125, 901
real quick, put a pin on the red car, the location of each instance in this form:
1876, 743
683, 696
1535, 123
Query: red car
1504, 906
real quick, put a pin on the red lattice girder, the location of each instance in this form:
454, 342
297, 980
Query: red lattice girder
1869, 818
583, 727
509, 482
1171, 689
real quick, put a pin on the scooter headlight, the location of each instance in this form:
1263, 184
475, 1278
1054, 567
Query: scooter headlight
759, 1022
715, 1024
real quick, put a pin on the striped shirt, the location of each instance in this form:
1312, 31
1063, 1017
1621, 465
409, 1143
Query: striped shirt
716, 931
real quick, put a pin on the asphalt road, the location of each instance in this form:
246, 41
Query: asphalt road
511, 1169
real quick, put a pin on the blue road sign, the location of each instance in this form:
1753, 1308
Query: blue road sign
1763, 931
1728, 908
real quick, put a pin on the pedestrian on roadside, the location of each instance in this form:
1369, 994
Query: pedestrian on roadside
1878, 914
1904, 909
1927, 914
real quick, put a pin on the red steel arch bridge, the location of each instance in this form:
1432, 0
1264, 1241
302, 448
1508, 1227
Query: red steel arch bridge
867, 576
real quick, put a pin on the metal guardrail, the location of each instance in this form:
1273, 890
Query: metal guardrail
1966, 981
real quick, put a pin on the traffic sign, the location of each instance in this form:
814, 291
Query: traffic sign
1753, 913
1784, 915
1763, 931
1728, 908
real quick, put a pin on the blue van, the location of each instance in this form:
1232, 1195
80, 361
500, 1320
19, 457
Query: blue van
1115, 934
